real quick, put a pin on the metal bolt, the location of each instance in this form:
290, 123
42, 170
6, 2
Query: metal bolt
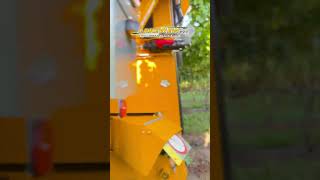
164, 175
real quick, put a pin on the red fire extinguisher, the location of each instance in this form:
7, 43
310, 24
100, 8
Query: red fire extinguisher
122, 108
42, 161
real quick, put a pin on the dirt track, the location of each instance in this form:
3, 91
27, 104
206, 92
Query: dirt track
200, 155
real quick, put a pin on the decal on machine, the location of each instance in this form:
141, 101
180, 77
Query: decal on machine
177, 149
178, 144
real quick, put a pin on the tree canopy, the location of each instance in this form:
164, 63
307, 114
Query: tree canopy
275, 43
196, 63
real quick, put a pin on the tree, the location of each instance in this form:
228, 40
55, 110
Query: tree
274, 44
275, 38
196, 62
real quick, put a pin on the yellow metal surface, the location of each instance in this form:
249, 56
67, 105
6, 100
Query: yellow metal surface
217, 155
136, 145
13, 141
78, 135
139, 144
74, 100
79, 126
160, 171
78, 175
75, 175
150, 96
145, 11
162, 14
14, 176
184, 6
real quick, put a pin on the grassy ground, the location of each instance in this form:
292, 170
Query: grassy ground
196, 122
259, 108
266, 126
257, 121
196, 114
295, 169
267, 138
275, 122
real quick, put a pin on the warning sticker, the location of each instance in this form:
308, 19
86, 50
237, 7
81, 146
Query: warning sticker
177, 148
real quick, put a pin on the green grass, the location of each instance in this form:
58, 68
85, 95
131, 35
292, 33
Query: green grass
254, 109
198, 122
263, 119
292, 169
284, 110
268, 138
195, 122
257, 123
193, 99
265, 138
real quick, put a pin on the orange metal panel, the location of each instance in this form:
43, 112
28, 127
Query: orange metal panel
13, 140
217, 156
145, 11
184, 5
121, 170
74, 98
77, 175
80, 135
14, 176
162, 15
139, 144
136, 146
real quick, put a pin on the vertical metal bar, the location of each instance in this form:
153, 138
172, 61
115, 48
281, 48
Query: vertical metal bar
220, 157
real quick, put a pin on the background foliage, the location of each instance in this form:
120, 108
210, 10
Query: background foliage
196, 61
271, 69
279, 39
